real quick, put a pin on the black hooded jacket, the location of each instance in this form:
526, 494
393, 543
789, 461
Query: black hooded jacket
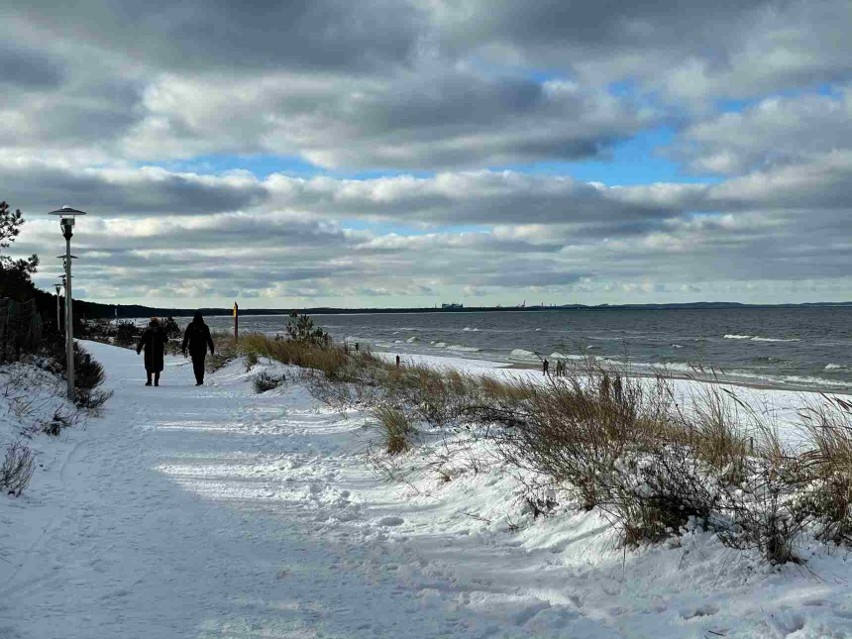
197, 337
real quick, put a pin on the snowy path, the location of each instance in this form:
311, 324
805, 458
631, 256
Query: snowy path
214, 512
197, 512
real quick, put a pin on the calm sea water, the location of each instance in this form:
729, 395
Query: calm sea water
789, 347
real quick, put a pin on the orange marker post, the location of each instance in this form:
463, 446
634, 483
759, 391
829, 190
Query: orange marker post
236, 322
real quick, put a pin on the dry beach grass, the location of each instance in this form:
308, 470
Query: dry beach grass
623, 445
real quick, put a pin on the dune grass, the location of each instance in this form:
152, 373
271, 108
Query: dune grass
623, 445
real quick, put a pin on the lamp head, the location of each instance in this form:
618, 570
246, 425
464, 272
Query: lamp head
67, 224
67, 215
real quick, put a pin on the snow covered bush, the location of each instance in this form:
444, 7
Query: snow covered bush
88, 372
89, 375
761, 512
264, 382
31, 395
17, 469
57, 422
651, 496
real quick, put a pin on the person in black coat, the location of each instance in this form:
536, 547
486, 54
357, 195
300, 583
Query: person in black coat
154, 341
197, 337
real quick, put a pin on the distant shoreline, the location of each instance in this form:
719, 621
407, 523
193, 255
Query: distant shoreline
95, 310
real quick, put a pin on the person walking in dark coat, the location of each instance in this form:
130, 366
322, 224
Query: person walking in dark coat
154, 341
197, 337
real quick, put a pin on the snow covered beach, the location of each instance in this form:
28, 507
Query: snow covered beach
218, 512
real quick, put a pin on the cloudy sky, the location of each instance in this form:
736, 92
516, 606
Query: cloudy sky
396, 153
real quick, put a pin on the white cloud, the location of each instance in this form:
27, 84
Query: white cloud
104, 94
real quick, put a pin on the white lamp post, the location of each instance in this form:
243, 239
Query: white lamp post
58, 287
66, 221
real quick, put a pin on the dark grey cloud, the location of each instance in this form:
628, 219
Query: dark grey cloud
692, 49
435, 117
37, 186
195, 34
481, 197
27, 68
340, 84
383, 84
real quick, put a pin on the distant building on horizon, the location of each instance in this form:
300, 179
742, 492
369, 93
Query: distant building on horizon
451, 305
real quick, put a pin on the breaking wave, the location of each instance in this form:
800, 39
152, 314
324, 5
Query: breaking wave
757, 338
462, 349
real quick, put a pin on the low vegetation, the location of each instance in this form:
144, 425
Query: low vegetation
263, 382
17, 469
395, 427
621, 445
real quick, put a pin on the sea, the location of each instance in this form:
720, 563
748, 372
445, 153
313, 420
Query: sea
806, 348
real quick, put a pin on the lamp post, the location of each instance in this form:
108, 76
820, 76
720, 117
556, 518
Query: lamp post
58, 286
66, 222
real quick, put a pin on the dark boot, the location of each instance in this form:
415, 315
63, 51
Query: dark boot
148, 383
156, 379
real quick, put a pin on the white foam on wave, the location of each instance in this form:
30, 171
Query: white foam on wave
468, 328
835, 367
558, 355
462, 349
757, 338
411, 340
813, 381
680, 367
521, 355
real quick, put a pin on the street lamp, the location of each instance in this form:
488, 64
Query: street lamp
66, 222
58, 286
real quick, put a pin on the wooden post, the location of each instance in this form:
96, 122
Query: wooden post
236, 323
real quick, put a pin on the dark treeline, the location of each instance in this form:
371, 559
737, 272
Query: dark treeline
95, 310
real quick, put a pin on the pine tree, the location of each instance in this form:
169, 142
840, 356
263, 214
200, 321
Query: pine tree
15, 275
300, 328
